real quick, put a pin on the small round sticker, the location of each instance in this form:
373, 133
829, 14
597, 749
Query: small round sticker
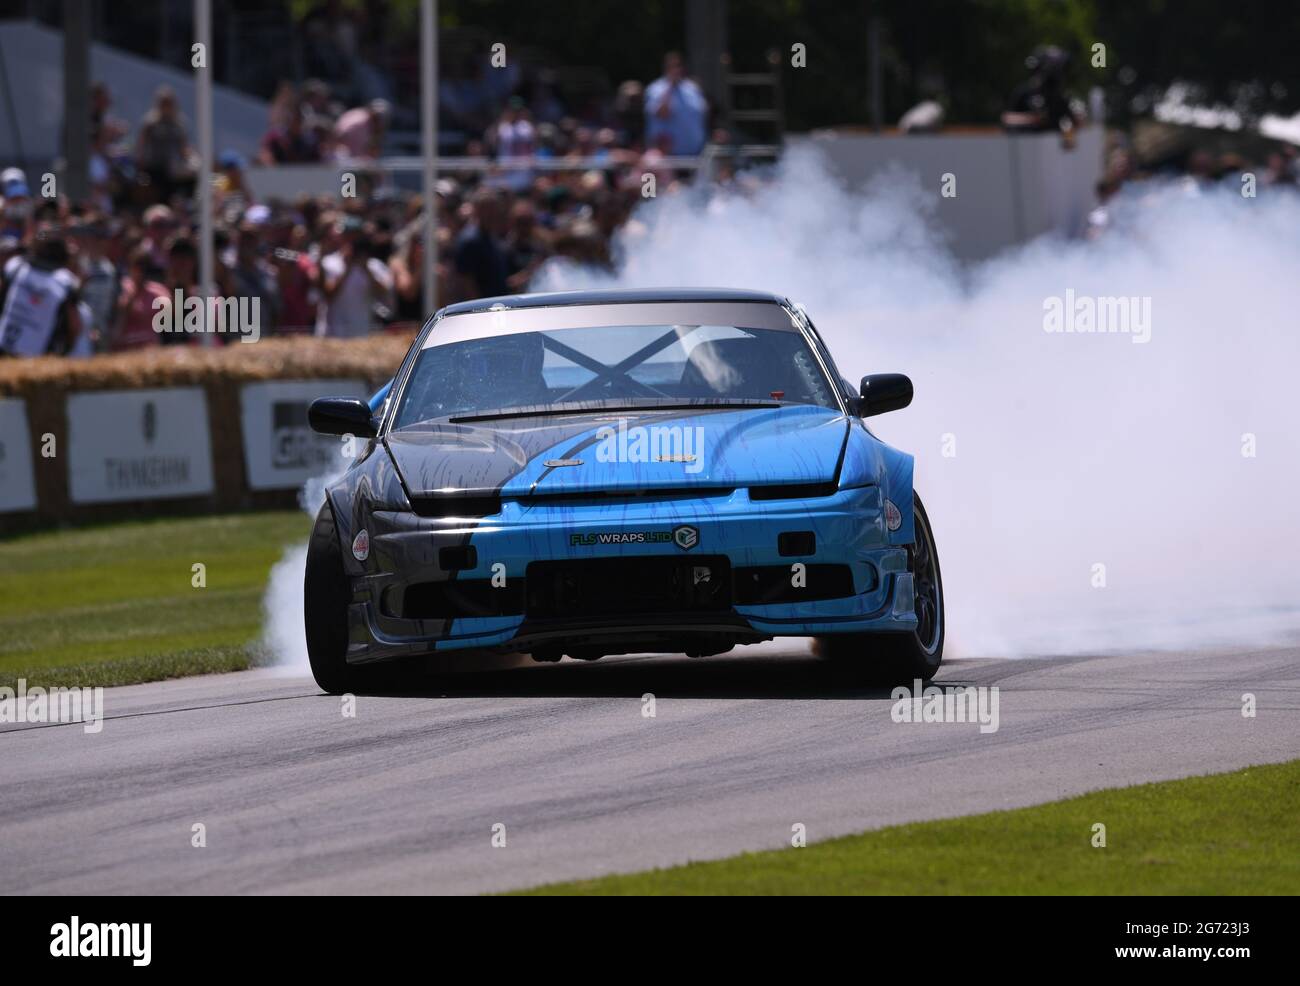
361, 546
893, 516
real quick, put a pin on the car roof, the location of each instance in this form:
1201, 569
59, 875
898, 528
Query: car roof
612, 297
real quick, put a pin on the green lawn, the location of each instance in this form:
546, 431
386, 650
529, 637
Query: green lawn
113, 604
1221, 834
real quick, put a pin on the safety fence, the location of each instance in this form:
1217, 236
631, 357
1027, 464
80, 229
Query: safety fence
174, 429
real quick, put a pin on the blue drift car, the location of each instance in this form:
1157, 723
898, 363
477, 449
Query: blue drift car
596, 473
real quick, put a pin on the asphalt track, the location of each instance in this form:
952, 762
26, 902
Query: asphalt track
296, 798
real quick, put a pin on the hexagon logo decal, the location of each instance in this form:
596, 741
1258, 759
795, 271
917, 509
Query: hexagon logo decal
686, 537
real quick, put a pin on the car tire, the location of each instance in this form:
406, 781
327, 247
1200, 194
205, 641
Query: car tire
326, 594
900, 658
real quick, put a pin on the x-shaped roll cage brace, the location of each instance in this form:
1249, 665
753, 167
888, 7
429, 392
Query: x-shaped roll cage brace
606, 372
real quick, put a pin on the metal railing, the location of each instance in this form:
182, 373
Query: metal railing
704, 165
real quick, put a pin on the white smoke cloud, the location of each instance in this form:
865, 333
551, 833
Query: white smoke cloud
283, 636
1072, 451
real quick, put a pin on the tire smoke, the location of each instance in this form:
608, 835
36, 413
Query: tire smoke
283, 636
1089, 491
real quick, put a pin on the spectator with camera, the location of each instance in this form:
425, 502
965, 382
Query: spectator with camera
356, 286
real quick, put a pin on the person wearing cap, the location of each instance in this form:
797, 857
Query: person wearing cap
17, 207
13, 176
230, 191
252, 275
39, 300
1042, 102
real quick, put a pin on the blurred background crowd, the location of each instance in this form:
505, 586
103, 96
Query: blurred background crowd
342, 265
554, 158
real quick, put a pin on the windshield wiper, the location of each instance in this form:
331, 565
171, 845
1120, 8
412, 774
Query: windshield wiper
602, 407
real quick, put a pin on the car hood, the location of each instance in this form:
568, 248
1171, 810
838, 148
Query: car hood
612, 451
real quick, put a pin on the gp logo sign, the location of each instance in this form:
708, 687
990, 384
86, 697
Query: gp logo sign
686, 537
280, 449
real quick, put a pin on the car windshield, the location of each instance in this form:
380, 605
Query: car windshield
612, 366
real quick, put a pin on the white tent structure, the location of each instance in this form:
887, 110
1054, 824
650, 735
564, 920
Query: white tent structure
31, 110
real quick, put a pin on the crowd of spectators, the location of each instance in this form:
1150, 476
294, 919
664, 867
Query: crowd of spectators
98, 274
1199, 172
332, 264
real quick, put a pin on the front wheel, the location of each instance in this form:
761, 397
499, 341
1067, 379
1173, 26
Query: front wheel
326, 594
891, 658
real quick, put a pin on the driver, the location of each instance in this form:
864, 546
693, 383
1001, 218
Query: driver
504, 371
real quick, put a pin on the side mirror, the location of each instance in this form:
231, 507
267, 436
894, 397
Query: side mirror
883, 392
341, 416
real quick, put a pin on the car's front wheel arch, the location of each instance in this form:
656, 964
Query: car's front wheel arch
902, 657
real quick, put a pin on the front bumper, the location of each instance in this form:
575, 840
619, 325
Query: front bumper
408, 550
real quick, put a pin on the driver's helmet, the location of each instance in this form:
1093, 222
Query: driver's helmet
505, 371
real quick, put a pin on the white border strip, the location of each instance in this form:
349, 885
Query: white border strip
508, 321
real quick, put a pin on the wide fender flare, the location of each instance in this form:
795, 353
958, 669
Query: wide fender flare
869, 461
899, 467
369, 483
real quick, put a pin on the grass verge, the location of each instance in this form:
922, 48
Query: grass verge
1218, 834
115, 604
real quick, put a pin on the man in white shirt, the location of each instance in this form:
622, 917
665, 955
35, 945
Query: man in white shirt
515, 137
38, 301
353, 282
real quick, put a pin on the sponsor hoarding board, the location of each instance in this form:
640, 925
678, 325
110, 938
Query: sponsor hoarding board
138, 445
280, 449
17, 475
